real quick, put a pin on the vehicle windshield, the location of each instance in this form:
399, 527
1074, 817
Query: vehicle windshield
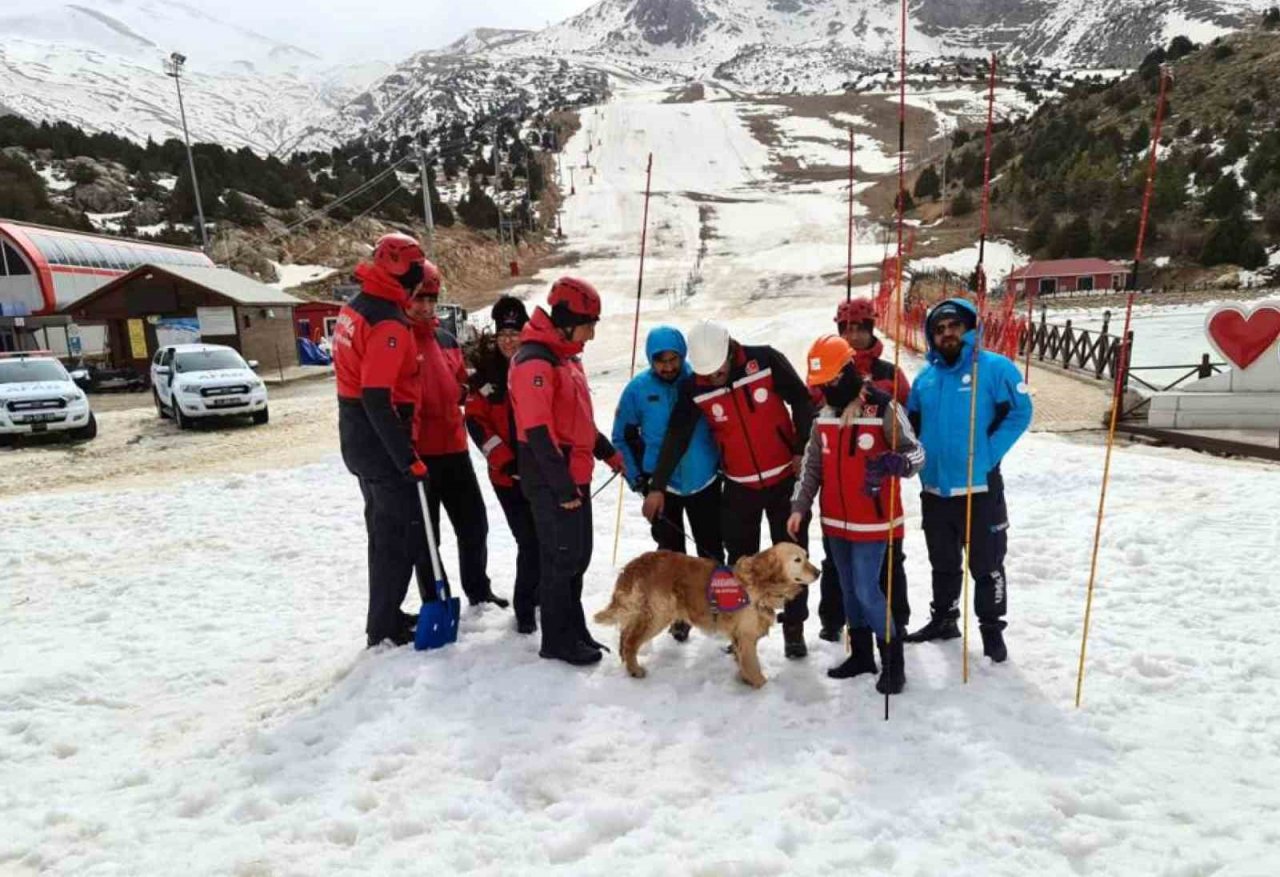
21, 371
208, 360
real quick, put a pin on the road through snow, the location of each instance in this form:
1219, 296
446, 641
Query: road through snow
183, 687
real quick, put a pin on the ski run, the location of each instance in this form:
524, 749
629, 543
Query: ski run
184, 687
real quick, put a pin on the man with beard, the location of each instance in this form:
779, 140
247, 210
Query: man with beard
939, 408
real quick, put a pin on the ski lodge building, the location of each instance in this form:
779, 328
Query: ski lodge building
81, 294
1066, 275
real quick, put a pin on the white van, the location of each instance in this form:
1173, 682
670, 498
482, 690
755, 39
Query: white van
191, 381
37, 395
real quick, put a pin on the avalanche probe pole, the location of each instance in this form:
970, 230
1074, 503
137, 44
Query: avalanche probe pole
848, 270
635, 336
977, 354
1122, 369
897, 343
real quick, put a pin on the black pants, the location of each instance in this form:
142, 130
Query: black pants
453, 483
944, 525
520, 520
741, 508
564, 551
703, 511
393, 519
831, 606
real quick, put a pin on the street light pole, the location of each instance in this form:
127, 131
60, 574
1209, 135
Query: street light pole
173, 67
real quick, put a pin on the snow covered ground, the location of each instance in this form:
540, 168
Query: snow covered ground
1162, 334
183, 685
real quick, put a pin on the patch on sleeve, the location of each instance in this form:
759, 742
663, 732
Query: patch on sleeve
391, 341
1023, 388
537, 380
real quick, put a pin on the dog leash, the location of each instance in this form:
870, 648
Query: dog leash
687, 538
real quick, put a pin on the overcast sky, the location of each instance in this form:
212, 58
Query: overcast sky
351, 30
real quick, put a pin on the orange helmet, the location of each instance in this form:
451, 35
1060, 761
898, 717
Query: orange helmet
828, 355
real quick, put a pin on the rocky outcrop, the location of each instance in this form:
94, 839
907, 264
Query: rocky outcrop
101, 187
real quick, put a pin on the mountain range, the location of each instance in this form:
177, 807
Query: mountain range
100, 66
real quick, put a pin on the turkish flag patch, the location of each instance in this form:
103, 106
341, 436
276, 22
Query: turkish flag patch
753, 367
391, 342
537, 380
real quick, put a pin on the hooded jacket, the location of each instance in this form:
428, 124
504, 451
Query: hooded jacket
644, 411
555, 423
939, 407
491, 421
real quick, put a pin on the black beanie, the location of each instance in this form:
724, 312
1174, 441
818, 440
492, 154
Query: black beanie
509, 313
954, 311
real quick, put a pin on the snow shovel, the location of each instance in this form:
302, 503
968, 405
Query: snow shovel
437, 621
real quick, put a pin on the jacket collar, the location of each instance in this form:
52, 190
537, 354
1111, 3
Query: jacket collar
375, 281
540, 330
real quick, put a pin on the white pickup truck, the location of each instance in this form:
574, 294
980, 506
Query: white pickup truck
37, 395
196, 381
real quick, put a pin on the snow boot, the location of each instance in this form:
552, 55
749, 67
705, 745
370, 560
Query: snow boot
830, 634
526, 625
993, 643
937, 629
861, 658
579, 654
489, 597
679, 631
893, 675
793, 637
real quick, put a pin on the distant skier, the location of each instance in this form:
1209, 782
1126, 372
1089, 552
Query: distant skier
759, 413
939, 408
639, 427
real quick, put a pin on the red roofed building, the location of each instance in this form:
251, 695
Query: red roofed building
1067, 275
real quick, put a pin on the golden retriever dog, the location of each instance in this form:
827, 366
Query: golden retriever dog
660, 587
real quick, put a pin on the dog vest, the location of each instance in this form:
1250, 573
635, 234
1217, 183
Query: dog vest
725, 593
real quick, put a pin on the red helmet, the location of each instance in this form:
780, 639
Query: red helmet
573, 302
396, 253
430, 280
855, 310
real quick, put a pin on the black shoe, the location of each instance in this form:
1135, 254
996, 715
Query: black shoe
830, 634
490, 597
410, 621
578, 654
861, 659
937, 628
679, 631
401, 637
526, 625
893, 675
993, 643
793, 637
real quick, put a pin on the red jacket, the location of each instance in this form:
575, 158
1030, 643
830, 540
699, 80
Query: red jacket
376, 366
491, 422
749, 418
883, 375
442, 383
555, 423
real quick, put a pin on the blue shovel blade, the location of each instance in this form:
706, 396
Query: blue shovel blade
437, 624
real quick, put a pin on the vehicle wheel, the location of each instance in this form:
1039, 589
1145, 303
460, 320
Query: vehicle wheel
179, 418
164, 415
86, 432
261, 417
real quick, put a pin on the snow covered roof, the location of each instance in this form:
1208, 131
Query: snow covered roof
1068, 268
241, 290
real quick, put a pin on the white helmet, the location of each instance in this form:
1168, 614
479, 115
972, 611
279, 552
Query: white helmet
708, 347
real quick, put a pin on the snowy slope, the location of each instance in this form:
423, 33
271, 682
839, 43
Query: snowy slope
204, 699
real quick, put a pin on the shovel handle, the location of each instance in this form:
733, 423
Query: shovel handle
431, 540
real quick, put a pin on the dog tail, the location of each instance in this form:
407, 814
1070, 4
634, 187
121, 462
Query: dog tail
609, 614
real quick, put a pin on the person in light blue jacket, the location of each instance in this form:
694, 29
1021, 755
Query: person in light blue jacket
639, 427
939, 409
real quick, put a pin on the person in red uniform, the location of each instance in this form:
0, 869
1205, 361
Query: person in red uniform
760, 414
441, 441
558, 443
856, 323
490, 421
376, 367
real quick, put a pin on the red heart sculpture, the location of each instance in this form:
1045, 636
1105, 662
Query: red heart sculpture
1243, 339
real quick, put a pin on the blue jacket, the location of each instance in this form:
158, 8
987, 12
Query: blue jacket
642, 417
939, 409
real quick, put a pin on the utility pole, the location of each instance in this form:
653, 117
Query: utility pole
173, 68
426, 205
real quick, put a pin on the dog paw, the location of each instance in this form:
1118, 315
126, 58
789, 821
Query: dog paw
637, 672
754, 683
